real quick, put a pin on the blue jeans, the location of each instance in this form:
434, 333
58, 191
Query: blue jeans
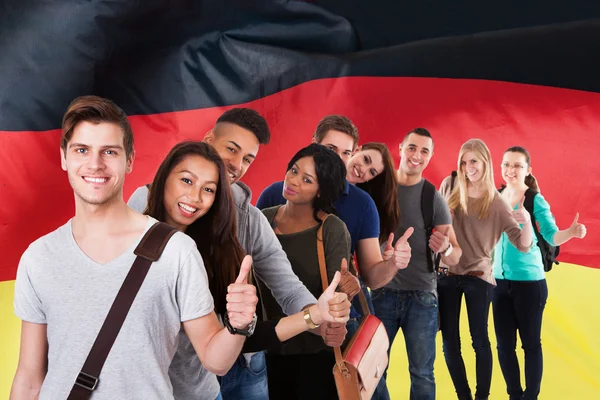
247, 381
478, 296
416, 313
519, 306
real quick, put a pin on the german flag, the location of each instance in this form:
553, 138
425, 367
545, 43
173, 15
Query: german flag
522, 73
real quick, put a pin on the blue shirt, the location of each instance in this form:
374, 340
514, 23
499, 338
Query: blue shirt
510, 263
355, 207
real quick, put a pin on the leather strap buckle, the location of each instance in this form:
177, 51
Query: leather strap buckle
86, 381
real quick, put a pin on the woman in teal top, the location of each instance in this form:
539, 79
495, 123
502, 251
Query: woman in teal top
519, 298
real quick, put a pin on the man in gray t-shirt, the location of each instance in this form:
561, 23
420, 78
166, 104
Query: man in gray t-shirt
409, 300
68, 280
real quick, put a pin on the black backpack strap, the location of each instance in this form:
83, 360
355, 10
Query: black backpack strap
452, 179
427, 195
149, 250
528, 204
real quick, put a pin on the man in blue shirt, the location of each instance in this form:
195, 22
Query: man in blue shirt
358, 211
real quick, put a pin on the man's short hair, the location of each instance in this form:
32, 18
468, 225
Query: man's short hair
95, 110
420, 132
335, 123
248, 119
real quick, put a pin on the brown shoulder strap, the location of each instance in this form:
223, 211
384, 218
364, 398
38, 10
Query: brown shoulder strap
325, 283
149, 250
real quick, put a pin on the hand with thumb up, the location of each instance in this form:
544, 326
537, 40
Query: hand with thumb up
241, 298
402, 251
521, 214
349, 283
576, 229
334, 306
388, 251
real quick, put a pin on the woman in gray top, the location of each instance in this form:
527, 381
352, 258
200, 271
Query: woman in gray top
301, 368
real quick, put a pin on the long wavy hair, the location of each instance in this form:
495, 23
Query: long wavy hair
459, 197
215, 233
331, 174
384, 191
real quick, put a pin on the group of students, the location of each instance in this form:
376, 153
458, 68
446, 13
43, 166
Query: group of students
235, 307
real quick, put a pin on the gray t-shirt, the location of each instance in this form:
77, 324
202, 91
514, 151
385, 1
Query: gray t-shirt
59, 285
417, 275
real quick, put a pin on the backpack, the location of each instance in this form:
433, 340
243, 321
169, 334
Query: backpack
549, 252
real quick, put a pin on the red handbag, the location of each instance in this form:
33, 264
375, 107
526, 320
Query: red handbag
358, 370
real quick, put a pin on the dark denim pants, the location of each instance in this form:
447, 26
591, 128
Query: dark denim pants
519, 306
416, 313
478, 296
246, 381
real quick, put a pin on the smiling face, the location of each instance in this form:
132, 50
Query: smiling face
236, 146
415, 154
472, 166
364, 166
190, 190
514, 168
96, 163
301, 185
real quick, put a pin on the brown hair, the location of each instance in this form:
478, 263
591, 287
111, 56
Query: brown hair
95, 110
459, 197
384, 191
530, 180
335, 123
215, 233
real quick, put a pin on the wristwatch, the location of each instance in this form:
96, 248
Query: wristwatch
448, 251
244, 332
308, 319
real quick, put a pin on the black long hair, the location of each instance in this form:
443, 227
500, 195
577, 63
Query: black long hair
215, 233
331, 174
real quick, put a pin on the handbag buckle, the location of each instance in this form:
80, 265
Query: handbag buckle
86, 381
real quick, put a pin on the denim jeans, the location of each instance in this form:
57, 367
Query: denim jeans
478, 296
519, 306
416, 313
246, 381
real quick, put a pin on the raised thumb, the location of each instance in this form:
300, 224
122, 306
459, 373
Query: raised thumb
334, 282
407, 234
344, 268
576, 220
244, 270
390, 241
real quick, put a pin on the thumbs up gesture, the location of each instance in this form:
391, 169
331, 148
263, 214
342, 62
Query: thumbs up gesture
241, 298
334, 306
388, 251
349, 283
576, 229
521, 214
439, 242
402, 252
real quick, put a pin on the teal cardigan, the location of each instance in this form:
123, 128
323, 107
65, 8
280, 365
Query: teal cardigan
510, 263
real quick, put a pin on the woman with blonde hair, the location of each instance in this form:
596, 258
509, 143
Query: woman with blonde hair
480, 218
